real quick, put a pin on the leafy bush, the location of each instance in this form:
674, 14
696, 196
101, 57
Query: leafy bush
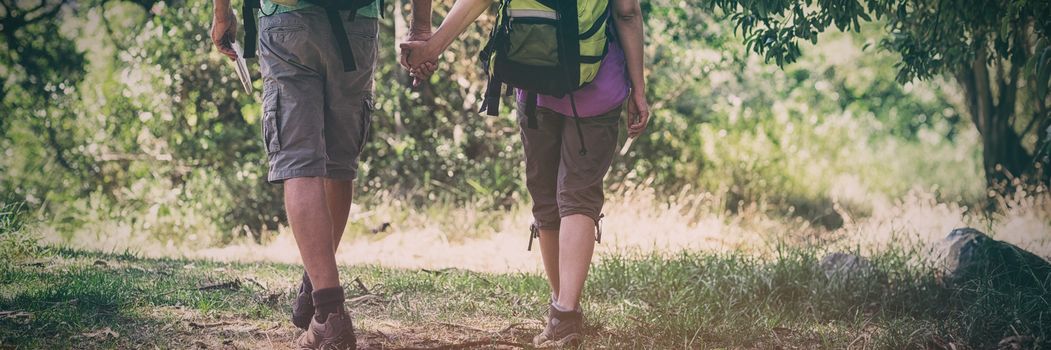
148, 127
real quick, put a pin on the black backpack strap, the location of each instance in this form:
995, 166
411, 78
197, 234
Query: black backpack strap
251, 31
530, 110
342, 40
498, 34
569, 32
491, 101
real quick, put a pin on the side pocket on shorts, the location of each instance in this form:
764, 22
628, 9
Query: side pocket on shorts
368, 107
271, 108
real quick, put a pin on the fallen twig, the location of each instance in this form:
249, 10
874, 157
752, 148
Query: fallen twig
209, 325
232, 285
463, 326
255, 282
438, 271
365, 299
511, 326
505, 329
361, 286
472, 344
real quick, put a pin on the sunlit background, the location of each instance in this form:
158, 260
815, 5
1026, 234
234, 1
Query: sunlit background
128, 132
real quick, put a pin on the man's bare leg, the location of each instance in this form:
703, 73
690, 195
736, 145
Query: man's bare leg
339, 194
311, 223
337, 200
549, 253
576, 244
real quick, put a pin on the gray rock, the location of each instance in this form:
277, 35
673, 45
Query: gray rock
839, 266
967, 254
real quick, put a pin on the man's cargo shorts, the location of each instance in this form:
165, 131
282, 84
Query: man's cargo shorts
316, 117
561, 181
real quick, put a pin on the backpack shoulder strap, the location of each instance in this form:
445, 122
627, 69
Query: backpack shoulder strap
530, 110
251, 31
342, 40
491, 101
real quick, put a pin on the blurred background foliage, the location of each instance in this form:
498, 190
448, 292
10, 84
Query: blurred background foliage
121, 111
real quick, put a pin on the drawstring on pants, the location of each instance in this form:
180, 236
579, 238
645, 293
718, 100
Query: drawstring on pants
534, 232
576, 118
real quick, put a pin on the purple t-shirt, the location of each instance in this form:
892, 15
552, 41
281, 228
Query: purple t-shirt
606, 92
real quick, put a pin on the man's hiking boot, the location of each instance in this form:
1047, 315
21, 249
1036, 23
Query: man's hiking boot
303, 306
563, 328
337, 333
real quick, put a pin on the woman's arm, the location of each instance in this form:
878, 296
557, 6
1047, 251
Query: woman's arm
463, 13
627, 15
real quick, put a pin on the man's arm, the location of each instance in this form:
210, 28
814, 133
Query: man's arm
421, 19
224, 28
419, 30
628, 19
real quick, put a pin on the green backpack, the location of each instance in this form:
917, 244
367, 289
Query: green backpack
549, 47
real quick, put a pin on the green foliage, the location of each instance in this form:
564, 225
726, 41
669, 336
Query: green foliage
980, 44
932, 37
155, 135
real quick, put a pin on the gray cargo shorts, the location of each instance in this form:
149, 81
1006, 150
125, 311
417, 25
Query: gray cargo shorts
316, 117
560, 180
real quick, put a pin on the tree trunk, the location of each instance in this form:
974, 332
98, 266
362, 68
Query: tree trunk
1003, 156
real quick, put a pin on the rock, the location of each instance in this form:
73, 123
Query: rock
967, 254
840, 265
1016, 342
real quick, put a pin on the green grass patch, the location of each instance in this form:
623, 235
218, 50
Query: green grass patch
68, 298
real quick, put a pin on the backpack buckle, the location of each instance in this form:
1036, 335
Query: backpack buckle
534, 232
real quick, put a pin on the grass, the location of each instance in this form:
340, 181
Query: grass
65, 298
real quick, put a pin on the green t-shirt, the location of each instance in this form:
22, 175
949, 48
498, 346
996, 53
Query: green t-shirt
270, 8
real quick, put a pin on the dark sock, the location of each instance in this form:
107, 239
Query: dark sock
327, 301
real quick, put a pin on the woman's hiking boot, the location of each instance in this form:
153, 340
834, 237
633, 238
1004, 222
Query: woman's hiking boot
336, 333
563, 328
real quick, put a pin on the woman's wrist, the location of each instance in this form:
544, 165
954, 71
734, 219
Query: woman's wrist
224, 15
638, 90
443, 38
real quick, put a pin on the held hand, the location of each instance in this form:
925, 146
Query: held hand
638, 113
414, 35
417, 53
422, 71
224, 30
420, 58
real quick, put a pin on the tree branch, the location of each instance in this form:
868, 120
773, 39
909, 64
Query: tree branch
52, 140
49, 14
37, 7
1008, 92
